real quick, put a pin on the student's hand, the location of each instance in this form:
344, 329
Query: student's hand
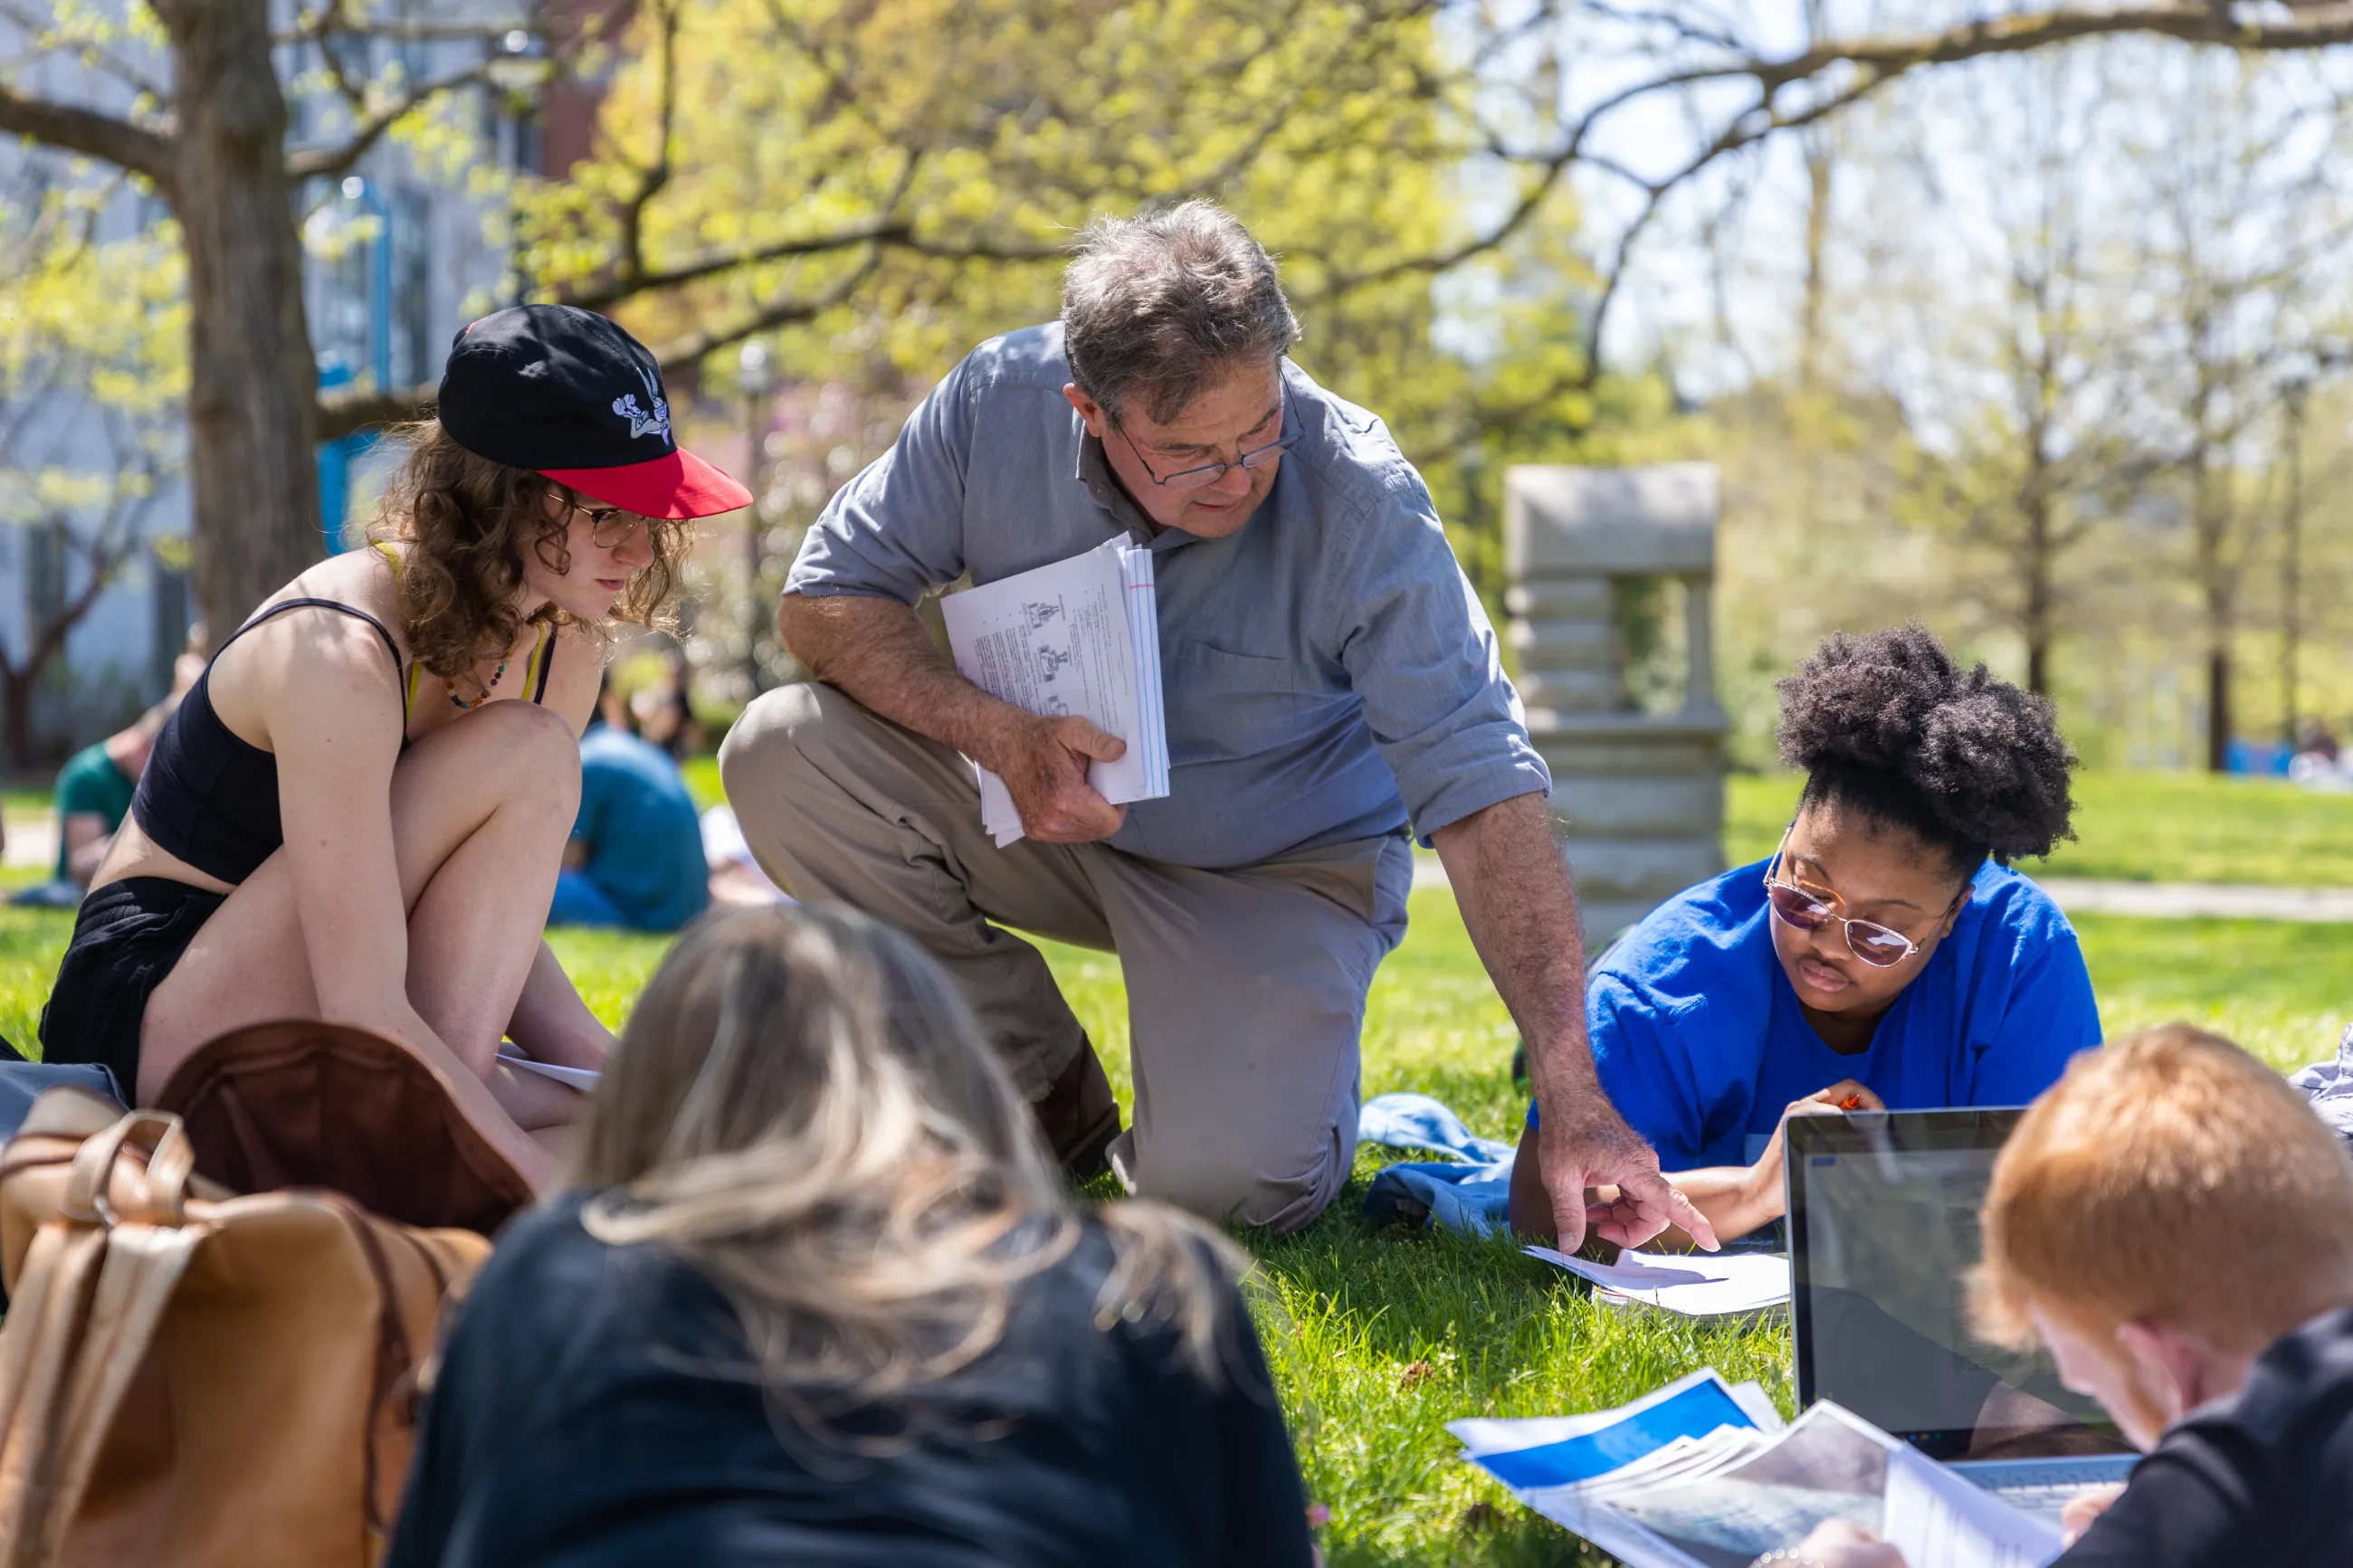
1845, 1095
1835, 1543
1763, 1187
2084, 1508
1043, 763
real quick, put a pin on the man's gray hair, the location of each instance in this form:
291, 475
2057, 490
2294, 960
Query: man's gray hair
1156, 307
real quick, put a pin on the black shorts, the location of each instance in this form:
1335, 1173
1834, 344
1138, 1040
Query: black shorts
125, 940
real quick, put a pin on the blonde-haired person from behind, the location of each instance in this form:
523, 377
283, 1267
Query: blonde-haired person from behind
2176, 1225
822, 1295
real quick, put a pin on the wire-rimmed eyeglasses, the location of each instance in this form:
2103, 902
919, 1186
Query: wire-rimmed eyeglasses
1208, 473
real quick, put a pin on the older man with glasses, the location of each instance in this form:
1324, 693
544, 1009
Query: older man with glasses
1331, 685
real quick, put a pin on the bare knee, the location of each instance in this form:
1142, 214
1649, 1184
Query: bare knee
531, 751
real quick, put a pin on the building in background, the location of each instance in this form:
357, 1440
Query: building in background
399, 259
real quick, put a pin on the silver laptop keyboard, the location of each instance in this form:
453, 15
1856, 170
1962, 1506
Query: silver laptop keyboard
2044, 1502
2043, 1488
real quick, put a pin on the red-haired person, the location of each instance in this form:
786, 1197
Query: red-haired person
2175, 1225
358, 812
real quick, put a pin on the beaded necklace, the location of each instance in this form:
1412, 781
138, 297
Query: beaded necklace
465, 706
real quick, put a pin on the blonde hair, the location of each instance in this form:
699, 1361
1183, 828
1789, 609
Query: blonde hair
2171, 1178
461, 523
803, 1109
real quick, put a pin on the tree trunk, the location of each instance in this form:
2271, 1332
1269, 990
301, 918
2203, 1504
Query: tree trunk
1816, 281
2039, 608
17, 686
2218, 709
252, 466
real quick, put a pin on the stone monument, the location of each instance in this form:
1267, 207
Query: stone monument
1637, 795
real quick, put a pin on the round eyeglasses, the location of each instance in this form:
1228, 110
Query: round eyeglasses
1803, 909
609, 526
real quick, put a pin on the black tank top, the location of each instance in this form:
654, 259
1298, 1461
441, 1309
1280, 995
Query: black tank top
210, 797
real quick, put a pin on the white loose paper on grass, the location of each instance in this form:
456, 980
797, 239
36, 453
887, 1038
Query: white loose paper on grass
1698, 1284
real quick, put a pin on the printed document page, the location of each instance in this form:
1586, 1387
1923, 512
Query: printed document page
1059, 640
1940, 1521
1700, 1284
1681, 1480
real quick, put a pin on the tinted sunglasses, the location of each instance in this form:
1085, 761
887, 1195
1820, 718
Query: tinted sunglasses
1803, 909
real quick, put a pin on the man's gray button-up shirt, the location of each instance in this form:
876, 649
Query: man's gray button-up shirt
1329, 674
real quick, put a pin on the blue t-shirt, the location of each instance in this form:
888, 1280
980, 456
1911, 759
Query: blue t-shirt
638, 824
1700, 1041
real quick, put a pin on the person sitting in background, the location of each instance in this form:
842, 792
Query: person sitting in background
1878, 959
824, 1296
91, 797
662, 713
635, 858
93, 793
2175, 1228
735, 875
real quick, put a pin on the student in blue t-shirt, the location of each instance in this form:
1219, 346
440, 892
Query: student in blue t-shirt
1884, 957
636, 855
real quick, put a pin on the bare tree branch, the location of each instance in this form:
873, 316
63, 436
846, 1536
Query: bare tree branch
34, 22
896, 234
343, 412
693, 347
657, 174
316, 25
348, 410
91, 134
334, 160
1873, 61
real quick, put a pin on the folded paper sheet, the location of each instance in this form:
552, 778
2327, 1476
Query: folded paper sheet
1080, 636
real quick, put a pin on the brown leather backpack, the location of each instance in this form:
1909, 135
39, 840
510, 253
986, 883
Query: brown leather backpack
299, 1103
195, 1380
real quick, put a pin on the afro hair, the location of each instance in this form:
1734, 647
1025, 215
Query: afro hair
1888, 725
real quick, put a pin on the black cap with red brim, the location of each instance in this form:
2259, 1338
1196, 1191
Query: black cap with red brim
567, 393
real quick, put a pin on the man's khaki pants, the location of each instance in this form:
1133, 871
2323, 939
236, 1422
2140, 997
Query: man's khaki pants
1246, 986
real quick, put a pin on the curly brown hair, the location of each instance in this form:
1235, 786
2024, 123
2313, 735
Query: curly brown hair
1892, 726
461, 523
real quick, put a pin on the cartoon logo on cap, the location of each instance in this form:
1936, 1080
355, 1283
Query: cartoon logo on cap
640, 422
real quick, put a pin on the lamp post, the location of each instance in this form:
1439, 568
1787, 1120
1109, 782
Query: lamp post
756, 378
2293, 396
337, 457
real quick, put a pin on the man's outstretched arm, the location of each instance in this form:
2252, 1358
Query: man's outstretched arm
1521, 911
875, 650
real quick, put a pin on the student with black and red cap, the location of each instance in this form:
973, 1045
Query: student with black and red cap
359, 811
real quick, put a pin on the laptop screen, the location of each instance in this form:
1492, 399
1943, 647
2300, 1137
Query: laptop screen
1883, 1235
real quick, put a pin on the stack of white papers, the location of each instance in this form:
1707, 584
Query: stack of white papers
1699, 1284
1704, 1474
1080, 636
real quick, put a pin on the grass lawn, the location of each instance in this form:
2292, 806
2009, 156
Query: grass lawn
1379, 1338
2136, 827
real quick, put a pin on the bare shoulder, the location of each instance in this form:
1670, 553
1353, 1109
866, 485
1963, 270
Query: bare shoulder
289, 651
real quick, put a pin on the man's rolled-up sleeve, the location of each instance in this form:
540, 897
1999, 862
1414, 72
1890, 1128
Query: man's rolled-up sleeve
1424, 660
897, 529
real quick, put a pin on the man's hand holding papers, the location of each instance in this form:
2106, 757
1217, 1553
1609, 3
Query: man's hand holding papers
1043, 763
1073, 648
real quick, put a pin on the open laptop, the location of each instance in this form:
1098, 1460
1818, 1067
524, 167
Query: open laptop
1882, 1227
